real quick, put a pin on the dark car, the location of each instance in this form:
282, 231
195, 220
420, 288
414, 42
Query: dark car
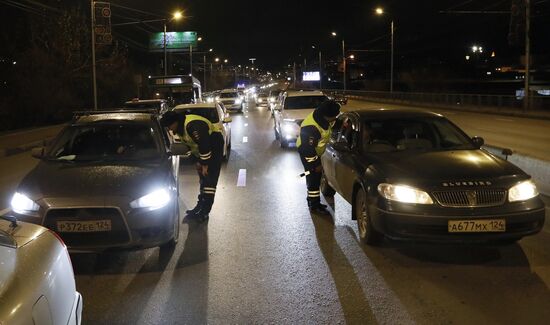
108, 181
415, 175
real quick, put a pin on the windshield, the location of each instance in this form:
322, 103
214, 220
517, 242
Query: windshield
106, 141
274, 93
229, 95
412, 134
304, 102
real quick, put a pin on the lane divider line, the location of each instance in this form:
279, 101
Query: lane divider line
245, 139
241, 179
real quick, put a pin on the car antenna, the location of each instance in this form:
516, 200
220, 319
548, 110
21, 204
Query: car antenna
11, 219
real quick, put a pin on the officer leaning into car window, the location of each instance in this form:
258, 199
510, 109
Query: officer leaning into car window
205, 140
314, 136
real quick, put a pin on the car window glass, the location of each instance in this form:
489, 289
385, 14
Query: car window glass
346, 131
107, 141
304, 102
229, 95
336, 128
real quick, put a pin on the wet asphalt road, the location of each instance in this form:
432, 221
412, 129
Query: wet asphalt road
262, 258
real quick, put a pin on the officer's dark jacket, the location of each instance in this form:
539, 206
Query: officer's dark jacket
310, 138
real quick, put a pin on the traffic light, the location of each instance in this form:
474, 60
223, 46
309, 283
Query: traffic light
102, 23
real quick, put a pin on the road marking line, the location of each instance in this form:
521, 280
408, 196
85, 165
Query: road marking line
3, 212
245, 139
504, 119
241, 180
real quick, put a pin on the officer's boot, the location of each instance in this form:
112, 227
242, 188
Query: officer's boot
196, 209
316, 207
206, 207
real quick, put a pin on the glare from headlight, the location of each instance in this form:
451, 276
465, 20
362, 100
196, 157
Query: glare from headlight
260, 100
272, 100
238, 101
210, 100
403, 193
523, 191
288, 128
20, 203
154, 200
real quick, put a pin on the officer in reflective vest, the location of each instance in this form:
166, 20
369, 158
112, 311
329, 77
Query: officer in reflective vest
205, 141
314, 135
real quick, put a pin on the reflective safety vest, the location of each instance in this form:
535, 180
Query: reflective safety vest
325, 134
212, 127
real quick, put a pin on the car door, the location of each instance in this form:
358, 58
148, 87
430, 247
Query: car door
328, 159
346, 156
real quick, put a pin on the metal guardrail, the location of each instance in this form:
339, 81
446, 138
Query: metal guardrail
498, 102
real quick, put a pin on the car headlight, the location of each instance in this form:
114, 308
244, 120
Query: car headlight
272, 100
523, 191
289, 126
260, 100
210, 100
20, 203
403, 193
154, 200
238, 101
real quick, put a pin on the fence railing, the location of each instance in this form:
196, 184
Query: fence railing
498, 102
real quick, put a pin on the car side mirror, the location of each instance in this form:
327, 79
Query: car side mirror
478, 141
341, 146
178, 149
507, 152
38, 152
227, 120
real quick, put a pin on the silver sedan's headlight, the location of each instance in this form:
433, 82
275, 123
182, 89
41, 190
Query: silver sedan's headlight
153, 201
20, 203
403, 193
523, 191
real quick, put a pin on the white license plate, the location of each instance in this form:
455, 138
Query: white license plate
491, 225
84, 226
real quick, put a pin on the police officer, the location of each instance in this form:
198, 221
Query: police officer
205, 140
314, 136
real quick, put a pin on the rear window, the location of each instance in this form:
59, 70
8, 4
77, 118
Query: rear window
229, 95
209, 113
304, 102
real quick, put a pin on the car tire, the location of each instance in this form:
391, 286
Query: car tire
168, 247
227, 153
367, 233
326, 189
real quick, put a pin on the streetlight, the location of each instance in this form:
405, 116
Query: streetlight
226, 60
217, 59
380, 11
176, 16
343, 58
352, 56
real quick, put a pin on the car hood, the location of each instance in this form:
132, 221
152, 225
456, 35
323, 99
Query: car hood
297, 114
423, 168
58, 179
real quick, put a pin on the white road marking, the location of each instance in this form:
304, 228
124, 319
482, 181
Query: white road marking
3, 212
245, 139
241, 180
504, 119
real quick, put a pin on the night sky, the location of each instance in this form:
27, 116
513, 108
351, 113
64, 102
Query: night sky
279, 32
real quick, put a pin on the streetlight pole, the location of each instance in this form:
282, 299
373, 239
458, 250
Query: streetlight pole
526, 99
391, 65
191, 59
320, 71
94, 80
164, 48
204, 70
344, 63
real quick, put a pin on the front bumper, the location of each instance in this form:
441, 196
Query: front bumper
434, 226
130, 228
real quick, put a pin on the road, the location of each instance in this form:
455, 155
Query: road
262, 258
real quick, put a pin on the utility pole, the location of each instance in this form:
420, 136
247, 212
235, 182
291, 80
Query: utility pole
344, 58
164, 48
526, 93
93, 55
204, 70
320, 71
294, 75
391, 65
191, 59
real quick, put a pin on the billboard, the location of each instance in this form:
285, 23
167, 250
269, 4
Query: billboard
311, 76
174, 41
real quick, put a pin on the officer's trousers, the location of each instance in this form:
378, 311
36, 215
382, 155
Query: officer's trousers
209, 182
313, 181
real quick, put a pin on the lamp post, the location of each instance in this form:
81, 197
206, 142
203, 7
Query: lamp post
380, 11
334, 34
177, 16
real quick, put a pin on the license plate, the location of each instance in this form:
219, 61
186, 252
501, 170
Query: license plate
84, 226
492, 225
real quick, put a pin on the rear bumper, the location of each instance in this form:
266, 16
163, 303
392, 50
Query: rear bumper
435, 227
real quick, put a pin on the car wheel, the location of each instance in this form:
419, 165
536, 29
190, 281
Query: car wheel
227, 152
168, 247
367, 233
326, 189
